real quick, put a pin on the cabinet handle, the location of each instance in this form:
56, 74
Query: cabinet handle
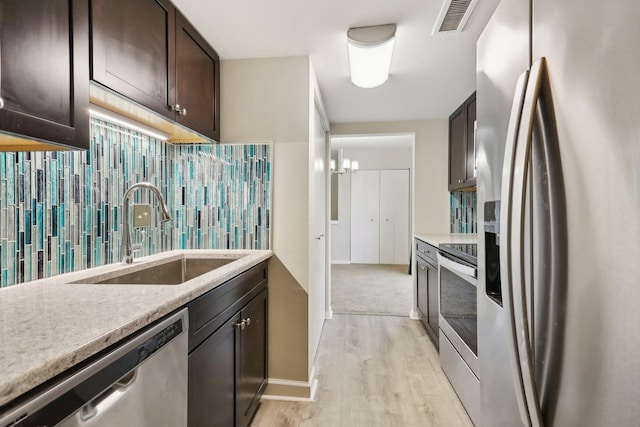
242, 324
177, 109
459, 181
1, 103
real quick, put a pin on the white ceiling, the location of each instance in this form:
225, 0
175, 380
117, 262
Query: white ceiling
430, 75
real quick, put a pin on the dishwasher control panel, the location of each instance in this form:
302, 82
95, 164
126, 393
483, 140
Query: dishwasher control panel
156, 342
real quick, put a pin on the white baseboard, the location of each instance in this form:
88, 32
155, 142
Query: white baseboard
414, 315
341, 262
292, 391
328, 315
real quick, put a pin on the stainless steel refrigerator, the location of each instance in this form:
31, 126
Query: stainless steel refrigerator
558, 160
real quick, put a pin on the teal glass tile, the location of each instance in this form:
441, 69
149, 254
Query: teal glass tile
66, 206
463, 212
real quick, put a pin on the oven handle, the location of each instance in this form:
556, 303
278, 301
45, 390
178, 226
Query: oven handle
455, 267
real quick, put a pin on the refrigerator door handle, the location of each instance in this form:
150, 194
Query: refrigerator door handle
505, 240
520, 309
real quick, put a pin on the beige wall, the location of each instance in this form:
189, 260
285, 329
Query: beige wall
268, 100
430, 195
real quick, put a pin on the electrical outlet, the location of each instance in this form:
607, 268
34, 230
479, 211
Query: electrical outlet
141, 215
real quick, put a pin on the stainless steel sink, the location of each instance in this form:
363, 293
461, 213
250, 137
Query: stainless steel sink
172, 272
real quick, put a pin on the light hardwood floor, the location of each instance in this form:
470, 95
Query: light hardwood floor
373, 371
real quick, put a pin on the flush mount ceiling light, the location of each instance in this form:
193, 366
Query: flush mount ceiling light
370, 50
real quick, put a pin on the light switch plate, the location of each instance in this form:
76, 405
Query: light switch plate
141, 215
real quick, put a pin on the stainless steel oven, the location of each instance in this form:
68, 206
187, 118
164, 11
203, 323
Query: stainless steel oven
457, 278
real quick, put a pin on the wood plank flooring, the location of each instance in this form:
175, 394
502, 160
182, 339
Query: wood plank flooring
373, 371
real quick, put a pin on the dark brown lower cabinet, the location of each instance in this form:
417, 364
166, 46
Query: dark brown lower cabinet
427, 288
212, 379
228, 368
251, 361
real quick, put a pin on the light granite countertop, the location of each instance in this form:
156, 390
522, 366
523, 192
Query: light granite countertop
436, 239
48, 326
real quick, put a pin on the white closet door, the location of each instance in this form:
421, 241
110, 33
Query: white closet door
394, 216
365, 217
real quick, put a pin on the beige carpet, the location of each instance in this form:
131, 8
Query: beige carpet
371, 289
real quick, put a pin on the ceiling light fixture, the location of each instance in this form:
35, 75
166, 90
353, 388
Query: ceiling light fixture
370, 50
346, 165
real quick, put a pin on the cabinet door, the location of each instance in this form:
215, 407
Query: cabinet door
44, 70
457, 149
427, 297
197, 81
212, 379
470, 113
462, 146
133, 53
433, 319
422, 283
252, 367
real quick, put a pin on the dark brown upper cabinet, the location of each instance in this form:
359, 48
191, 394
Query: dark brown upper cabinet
462, 146
148, 52
197, 99
44, 74
133, 50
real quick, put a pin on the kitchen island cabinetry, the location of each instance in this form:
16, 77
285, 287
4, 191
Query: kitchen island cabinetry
148, 52
227, 345
462, 146
427, 287
44, 95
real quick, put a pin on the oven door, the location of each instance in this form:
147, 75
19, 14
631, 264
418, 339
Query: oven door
458, 307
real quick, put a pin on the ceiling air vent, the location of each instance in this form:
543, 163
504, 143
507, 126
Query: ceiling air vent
454, 15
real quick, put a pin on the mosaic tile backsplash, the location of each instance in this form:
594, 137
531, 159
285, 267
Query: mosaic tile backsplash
463, 208
62, 211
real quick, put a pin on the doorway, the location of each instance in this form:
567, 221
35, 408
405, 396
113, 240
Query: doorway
371, 225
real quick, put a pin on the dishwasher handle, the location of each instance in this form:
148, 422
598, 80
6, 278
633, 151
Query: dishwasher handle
104, 401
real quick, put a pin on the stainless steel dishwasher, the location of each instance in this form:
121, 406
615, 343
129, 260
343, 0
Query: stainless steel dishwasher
142, 382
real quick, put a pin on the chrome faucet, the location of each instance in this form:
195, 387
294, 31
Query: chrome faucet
127, 246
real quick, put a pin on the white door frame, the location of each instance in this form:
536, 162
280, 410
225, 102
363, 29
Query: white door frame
413, 309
